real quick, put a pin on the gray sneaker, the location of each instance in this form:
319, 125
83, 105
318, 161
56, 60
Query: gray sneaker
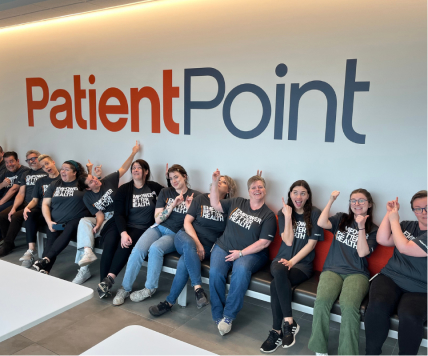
224, 326
120, 297
140, 295
87, 258
82, 276
28, 258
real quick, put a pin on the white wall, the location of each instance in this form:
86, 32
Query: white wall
245, 40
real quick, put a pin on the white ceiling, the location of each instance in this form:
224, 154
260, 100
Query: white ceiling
16, 12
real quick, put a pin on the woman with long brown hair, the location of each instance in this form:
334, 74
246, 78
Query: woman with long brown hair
345, 272
293, 264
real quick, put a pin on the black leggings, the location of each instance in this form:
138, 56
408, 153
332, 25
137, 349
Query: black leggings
34, 222
57, 241
386, 298
281, 291
10, 229
114, 257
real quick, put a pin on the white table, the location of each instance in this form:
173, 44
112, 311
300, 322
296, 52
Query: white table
28, 298
138, 340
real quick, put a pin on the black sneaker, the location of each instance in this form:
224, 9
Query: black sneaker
41, 265
201, 298
104, 287
160, 309
289, 332
273, 341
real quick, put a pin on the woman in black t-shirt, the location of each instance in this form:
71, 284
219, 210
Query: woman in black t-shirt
171, 208
62, 208
345, 272
250, 228
202, 226
293, 264
134, 206
401, 286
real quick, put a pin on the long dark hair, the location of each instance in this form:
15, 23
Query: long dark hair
307, 208
144, 165
347, 219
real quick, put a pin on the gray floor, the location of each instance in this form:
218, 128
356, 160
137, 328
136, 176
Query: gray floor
80, 328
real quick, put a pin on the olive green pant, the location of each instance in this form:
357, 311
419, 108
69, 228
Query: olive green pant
352, 289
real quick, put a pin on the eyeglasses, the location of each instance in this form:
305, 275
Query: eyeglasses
419, 210
360, 201
32, 159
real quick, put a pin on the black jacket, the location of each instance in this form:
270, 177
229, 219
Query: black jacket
123, 202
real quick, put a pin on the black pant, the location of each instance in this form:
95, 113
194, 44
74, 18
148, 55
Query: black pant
114, 257
57, 241
281, 292
34, 222
386, 298
10, 229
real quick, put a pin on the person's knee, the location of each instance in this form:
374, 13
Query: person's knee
241, 273
216, 274
411, 317
278, 270
156, 250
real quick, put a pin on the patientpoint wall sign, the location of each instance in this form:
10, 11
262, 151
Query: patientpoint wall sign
170, 92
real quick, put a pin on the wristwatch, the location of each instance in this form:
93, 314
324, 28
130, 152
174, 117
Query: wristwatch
240, 254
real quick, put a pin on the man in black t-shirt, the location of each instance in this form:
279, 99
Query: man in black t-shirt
9, 181
11, 218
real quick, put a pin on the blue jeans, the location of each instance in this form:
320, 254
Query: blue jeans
155, 243
242, 269
189, 265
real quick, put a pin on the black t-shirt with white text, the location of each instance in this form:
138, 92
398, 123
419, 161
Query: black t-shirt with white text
176, 218
14, 178
300, 239
40, 188
103, 200
244, 226
142, 213
67, 201
29, 179
408, 272
343, 257
209, 224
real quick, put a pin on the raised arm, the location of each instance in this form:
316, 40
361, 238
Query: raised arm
323, 219
125, 166
403, 245
363, 248
161, 214
384, 234
288, 233
214, 195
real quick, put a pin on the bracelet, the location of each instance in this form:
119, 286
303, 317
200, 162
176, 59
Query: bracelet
361, 229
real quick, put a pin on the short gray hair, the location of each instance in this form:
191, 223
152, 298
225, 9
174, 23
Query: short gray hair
255, 179
37, 153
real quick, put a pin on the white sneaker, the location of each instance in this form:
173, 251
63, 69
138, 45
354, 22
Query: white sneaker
140, 295
87, 258
28, 258
224, 326
82, 276
320, 354
120, 297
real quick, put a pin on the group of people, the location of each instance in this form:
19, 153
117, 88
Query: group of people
142, 219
